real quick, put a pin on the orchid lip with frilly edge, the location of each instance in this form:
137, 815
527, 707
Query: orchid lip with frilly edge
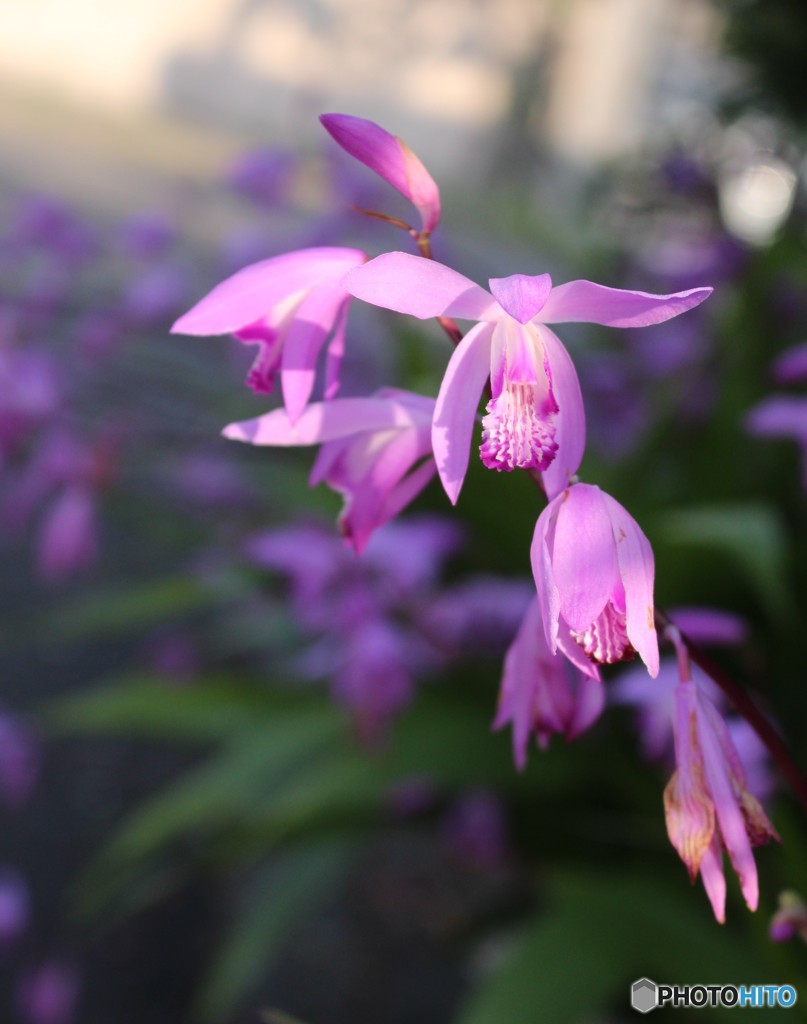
535, 418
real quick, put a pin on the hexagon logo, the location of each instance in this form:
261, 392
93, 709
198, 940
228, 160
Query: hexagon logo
643, 995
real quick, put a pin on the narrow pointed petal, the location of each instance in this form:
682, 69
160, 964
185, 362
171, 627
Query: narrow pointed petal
335, 353
521, 296
252, 292
548, 596
390, 158
586, 302
583, 556
517, 695
588, 705
730, 819
714, 881
570, 419
637, 569
407, 490
305, 336
457, 403
326, 421
420, 287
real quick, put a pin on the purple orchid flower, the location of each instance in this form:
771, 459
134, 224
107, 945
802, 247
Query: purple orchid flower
781, 416
391, 159
68, 539
535, 418
545, 693
594, 570
376, 452
288, 305
707, 804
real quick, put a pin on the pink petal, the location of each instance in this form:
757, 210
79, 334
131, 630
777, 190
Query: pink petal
390, 158
730, 819
588, 705
521, 296
408, 489
548, 596
249, 294
583, 557
327, 421
714, 881
570, 420
368, 501
420, 287
637, 569
305, 336
457, 404
335, 353
586, 302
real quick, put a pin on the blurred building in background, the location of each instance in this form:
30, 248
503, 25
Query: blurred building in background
588, 78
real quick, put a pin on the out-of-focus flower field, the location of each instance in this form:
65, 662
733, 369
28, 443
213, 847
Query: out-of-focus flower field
249, 775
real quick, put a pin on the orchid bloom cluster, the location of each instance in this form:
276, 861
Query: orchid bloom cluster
593, 566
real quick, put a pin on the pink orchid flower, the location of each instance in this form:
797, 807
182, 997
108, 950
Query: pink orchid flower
594, 570
544, 693
288, 305
535, 417
391, 159
376, 452
707, 805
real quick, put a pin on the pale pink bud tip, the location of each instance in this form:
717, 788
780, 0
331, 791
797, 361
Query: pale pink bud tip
390, 158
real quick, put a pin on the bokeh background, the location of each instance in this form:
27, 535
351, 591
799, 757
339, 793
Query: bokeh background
243, 776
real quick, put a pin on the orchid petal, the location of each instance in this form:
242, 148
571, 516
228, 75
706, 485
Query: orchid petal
305, 336
390, 158
521, 296
586, 302
326, 421
408, 489
583, 557
457, 403
636, 569
249, 294
420, 287
541, 560
714, 881
588, 704
369, 477
570, 419
335, 353
732, 825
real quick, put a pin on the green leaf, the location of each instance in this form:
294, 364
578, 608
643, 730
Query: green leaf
751, 535
145, 705
277, 899
600, 932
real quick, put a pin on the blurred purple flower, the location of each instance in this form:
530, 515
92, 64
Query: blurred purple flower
781, 417
153, 297
211, 480
19, 760
710, 625
790, 919
544, 693
29, 393
474, 828
14, 907
373, 680
790, 366
68, 536
147, 234
478, 615
263, 175
49, 994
